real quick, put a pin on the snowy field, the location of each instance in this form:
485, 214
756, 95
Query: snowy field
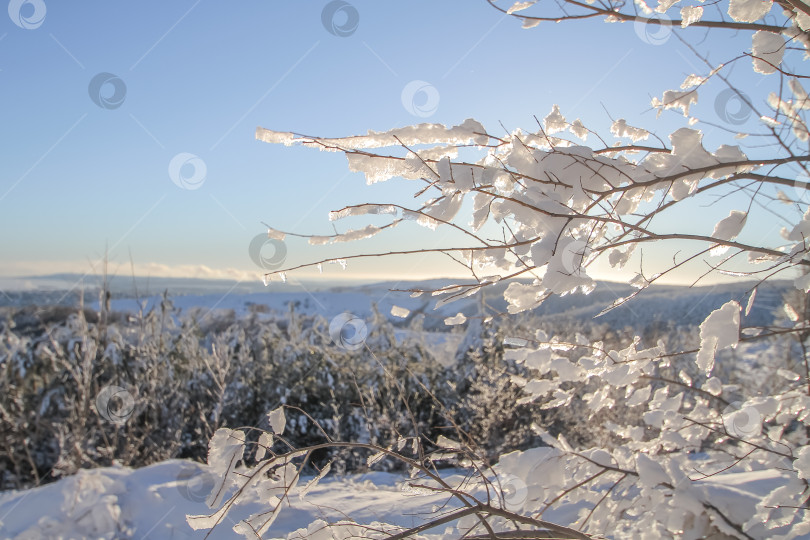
153, 502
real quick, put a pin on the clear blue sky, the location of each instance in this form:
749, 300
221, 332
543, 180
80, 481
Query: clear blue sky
198, 76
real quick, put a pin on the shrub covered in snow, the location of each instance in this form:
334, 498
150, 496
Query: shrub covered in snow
81, 390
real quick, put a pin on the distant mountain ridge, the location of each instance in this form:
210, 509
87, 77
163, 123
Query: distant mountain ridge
659, 303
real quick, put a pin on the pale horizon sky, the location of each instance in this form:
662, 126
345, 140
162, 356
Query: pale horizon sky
128, 129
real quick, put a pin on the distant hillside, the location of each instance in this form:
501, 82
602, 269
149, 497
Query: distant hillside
679, 304
660, 303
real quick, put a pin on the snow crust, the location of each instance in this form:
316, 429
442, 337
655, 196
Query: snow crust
152, 502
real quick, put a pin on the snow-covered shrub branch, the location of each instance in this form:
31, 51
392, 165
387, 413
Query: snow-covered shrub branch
562, 205
274, 477
742, 14
671, 418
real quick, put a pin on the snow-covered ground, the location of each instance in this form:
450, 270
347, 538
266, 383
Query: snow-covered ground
152, 502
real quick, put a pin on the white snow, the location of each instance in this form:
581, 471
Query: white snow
721, 329
690, 15
400, 312
277, 420
468, 131
519, 6
152, 502
555, 121
768, 49
673, 99
728, 228
459, 318
748, 11
620, 128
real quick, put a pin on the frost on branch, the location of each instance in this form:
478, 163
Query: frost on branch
802, 19
674, 99
459, 318
650, 472
721, 329
362, 210
802, 463
277, 420
620, 128
522, 297
520, 6
270, 479
468, 131
664, 5
578, 129
225, 450
400, 312
690, 15
748, 11
728, 228
555, 121
768, 49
